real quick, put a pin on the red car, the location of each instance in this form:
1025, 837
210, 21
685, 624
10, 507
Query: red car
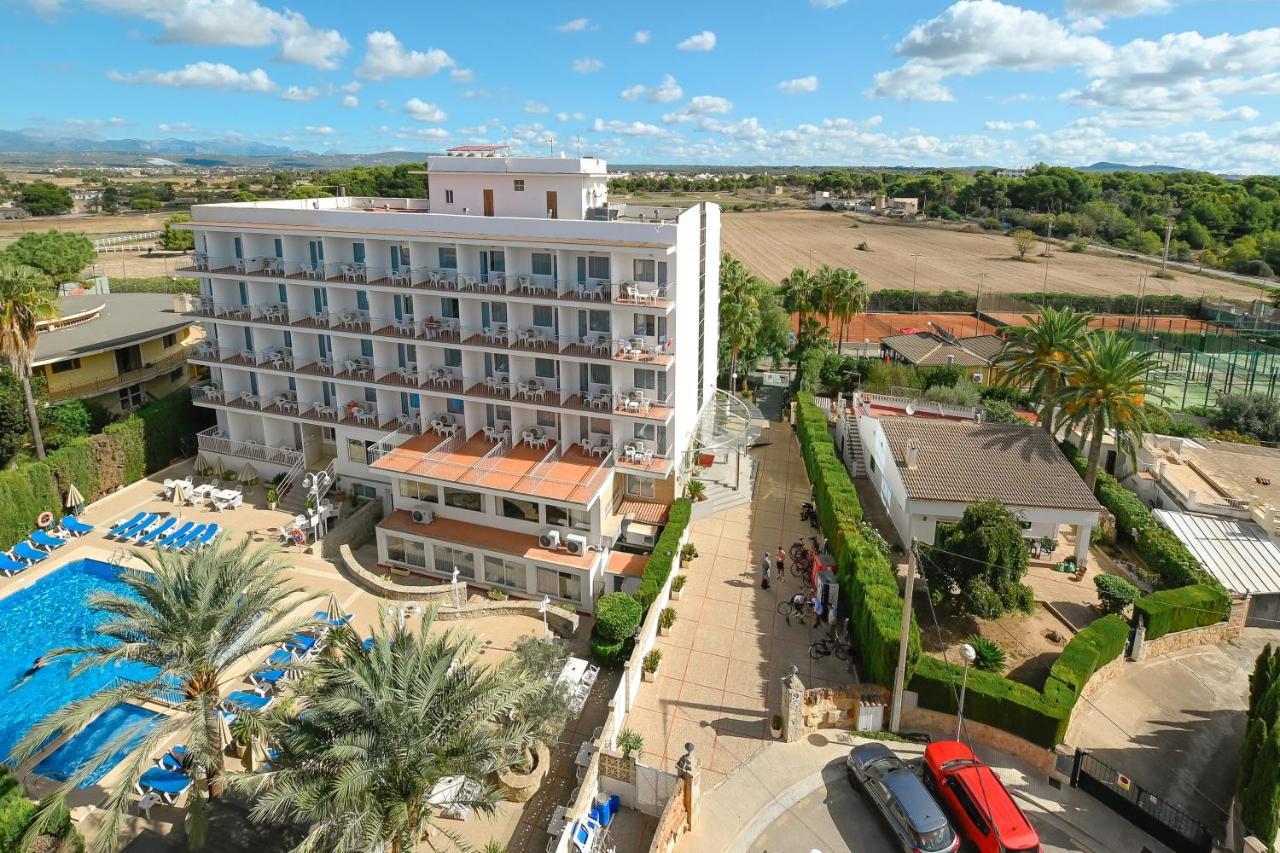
982, 810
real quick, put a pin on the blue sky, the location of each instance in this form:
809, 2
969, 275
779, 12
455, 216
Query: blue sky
791, 82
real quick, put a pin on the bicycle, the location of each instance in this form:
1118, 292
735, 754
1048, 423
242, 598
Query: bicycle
802, 556
837, 643
790, 608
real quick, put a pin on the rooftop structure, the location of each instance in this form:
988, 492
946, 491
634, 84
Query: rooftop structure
1239, 554
514, 357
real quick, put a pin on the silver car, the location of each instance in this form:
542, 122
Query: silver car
906, 805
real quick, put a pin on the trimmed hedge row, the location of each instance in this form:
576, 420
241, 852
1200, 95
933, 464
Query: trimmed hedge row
658, 567
868, 585
1171, 610
121, 454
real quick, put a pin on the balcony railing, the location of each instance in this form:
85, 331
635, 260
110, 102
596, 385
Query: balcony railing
214, 440
120, 380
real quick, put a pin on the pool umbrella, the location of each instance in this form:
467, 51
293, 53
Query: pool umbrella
75, 501
201, 466
334, 609
181, 492
248, 475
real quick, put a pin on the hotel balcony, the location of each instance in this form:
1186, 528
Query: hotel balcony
214, 440
80, 390
537, 466
422, 278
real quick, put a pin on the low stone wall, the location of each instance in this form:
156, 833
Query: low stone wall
520, 787
825, 707
560, 620
672, 823
1209, 635
921, 719
354, 530
1101, 676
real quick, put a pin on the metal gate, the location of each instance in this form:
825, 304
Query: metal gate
1160, 819
653, 788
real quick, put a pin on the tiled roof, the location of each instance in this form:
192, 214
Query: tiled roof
926, 348
965, 461
645, 512
622, 563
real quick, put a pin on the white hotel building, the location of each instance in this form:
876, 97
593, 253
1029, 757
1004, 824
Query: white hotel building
515, 367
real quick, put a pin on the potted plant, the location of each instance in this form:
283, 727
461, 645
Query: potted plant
273, 498
496, 594
649, 667
630, 742
775, 725
666, 619
339, 492
677, 584
248, 727
687, 553
311, 505
695, 490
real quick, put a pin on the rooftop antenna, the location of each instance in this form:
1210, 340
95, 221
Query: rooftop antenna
577, 145
551, 145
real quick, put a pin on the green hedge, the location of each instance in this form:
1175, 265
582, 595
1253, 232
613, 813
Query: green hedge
123, 453
658, 567
16, 814
868, 585
1171, 610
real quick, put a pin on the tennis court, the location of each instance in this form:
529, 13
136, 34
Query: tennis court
1123, 322
1193, 378
870, 328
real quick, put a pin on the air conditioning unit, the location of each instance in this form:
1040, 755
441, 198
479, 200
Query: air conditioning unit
977, 378
423, 515
550, 539
575, 544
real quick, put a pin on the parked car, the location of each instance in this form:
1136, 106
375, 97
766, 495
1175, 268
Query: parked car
981, 808
906, 805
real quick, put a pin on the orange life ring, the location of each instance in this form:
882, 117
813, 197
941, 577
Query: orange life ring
45, 519
298, 536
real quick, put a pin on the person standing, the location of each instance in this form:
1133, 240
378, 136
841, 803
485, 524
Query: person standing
781, 563
765, 567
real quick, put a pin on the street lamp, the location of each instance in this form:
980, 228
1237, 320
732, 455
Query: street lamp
915, 269
970, 654
542, 608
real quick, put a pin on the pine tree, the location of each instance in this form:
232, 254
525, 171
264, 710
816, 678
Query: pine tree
1249, 750
1260, 680
1262, 794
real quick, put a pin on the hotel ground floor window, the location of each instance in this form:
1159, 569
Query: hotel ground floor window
508, 573
133, 397
449, 558
641, 487
566, 585
406, 552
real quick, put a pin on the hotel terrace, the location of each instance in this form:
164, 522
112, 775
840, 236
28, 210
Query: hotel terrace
516, 368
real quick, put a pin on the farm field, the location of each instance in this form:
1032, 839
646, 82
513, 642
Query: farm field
91, 225
772, 243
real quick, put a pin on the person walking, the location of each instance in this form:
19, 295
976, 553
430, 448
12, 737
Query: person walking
781, 562
765, 567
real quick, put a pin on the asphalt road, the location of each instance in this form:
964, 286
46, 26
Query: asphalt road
834, 816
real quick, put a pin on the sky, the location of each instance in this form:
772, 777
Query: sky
787, 82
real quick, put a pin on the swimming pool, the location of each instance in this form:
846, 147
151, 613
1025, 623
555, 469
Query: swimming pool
51, 614
78, 752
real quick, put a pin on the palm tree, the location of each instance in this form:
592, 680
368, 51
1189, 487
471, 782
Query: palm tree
848, 296
800, 294
1108, 387
739, 311
382, 727
1039, 356
191, 618
24, 302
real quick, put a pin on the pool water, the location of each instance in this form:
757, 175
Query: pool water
52, 614
80, 751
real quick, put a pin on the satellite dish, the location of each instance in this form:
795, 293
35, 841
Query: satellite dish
911, 409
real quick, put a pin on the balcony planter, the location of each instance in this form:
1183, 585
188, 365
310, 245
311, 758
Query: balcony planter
677, 586
687, 553
649, 666
273, 499
666, 619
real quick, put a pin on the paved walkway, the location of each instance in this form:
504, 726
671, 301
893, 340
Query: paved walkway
720, 678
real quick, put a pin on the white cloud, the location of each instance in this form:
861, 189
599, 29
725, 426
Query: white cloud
625, 128
799, 85
536, 107
297, 93
700, 105
420, 110
973, 36
321, 130
642, 37
242, 23
588, 65
46, 9
570, 116
577, 25
1084, 26
1115, 8
351, 88
386, 57
114, 121
663, 93
472, 94
1006, 126
177, 127
213, 75
431, 133
462, 75
350, 101
705, 40
826, 4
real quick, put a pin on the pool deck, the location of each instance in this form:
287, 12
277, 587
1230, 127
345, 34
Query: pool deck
315, 576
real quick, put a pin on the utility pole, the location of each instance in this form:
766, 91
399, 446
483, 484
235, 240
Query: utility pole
915, 270
977, 303
1164, 262
900, 674
1047, 239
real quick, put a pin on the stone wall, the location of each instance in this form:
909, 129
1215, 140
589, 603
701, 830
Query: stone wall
672, 823
355, 530
921, 719
824, 707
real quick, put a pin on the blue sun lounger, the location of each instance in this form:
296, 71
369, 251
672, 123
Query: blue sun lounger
205, 537
248, 701
301, 644
147, 522
47, 540
75, 526
173, 759
10, 566
159, 531
122, 526
173, 537
324, 619
267, 680
26, 551
169, 784
179, 543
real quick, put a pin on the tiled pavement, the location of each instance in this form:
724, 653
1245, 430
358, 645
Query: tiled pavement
720, 678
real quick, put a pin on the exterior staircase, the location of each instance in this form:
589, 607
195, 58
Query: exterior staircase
720, 497
854, 458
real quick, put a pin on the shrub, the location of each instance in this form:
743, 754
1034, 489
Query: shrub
1171, 610
1001, 412
991, 658
1079, 244
963, 393
667, 618
863, 247
1114, 592
608, 653
617, 617
1259, 803
496, 594
658, 567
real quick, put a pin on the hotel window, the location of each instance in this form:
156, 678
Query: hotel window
454, 406
641, 487
518, 184
544, 316
453, 358
448, 199
462, 499
449, 308
448, 559
449, 256
131, 398
65, 366
542, 264
578, 519
169, 340
645, 270
601, 374
509, 573
645, 379
357, 451
520, 510
598, 321
548, 420
414, 490
544, 368
566, 585
406, 552
598, 266
645, 325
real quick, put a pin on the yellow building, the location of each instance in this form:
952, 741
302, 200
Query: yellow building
120, 350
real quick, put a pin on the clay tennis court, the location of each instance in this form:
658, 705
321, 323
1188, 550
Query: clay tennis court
870, 328
1123, 322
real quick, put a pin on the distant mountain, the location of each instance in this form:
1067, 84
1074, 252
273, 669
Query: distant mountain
1154, 168
31, 143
